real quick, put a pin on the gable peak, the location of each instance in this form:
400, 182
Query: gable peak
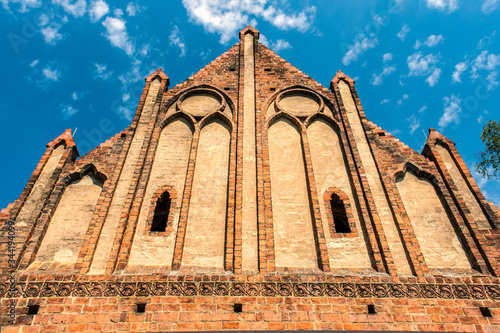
67, 137
341, 76
434, 135
158, 73
251, 30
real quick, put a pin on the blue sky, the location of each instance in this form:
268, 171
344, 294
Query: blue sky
82, 63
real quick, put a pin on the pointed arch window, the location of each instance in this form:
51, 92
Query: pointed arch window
339, 214
340, 221
161, 212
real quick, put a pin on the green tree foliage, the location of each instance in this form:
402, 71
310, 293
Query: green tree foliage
489, 159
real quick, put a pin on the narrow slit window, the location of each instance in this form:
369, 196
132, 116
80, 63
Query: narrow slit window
339, 215
162, 211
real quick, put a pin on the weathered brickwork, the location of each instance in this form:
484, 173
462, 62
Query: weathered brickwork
254, 229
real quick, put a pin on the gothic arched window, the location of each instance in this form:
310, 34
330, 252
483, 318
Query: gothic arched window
161, 212
339, 214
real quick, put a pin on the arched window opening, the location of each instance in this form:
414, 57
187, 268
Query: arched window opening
162, 211
339, 215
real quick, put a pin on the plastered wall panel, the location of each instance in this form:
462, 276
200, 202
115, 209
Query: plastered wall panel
41, 189
436, 237
329, 171
70, 222
463, 188
293, 232
108, 233
205, 235
169, 168
376, 187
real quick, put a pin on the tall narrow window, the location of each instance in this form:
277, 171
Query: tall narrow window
162, 211
339, 215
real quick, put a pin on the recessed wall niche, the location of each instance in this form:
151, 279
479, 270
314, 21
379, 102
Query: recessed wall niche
299, 102
201, 102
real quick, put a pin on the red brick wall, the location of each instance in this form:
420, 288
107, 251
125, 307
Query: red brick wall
193, 306
73, 301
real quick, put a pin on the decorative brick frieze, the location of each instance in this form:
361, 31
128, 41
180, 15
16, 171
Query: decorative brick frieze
268, 289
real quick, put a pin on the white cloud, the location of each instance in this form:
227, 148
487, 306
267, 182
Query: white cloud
414, 123
401, 101
422, 109
51, 33
45, 77
144, 50
68, 111
277, 46
134, 75
484, 64
279, 19
434, 40
394, 132
49, 28
101, 72
404, 30
98, 9
26, 5
385, 101
378, 79
431, 41
481, 182
76, 8
387, 57
51, 74
459, 69
443, 5
420, 65
205, 53
77, 95
485, 61
116, 33
125, 112
486, 41
361, 44
492, 79
129, 80
451, 113
434, 77
226, 17
489, 6
134, 9
281, 44
176, 38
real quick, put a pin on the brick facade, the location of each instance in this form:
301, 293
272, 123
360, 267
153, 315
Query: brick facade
70, 297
